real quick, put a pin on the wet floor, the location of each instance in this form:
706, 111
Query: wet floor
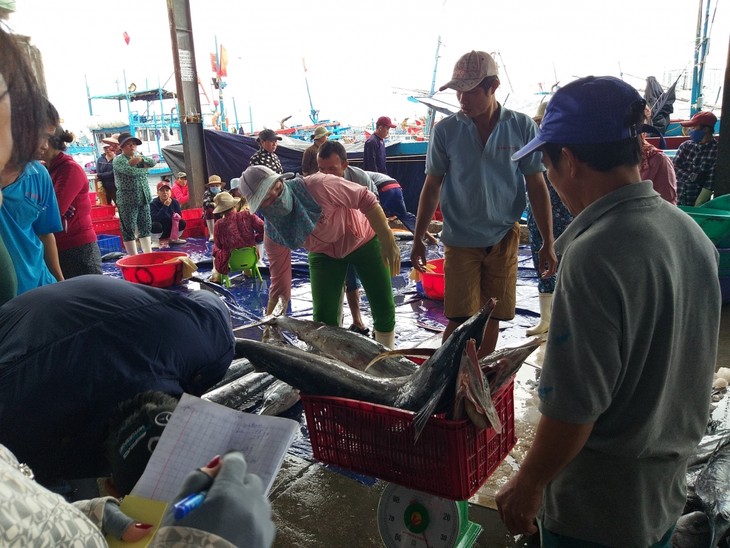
316, 505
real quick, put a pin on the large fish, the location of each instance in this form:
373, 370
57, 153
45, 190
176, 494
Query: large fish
278, 398
242, 392
713, 489
472, 397
430, 389
342, 344
501, 364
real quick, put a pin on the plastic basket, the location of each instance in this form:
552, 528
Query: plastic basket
109, 243
724, 262
192, 213
451, 459
714, 222
110, 226
102, 212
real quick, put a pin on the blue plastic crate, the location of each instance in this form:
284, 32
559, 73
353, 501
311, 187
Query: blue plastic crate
109, 243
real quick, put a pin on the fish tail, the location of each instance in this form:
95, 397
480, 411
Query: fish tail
425, 412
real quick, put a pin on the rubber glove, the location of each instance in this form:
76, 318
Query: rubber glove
388, 248
235, 507
704, 196
121, 526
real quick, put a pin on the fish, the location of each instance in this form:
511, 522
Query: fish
691, 531
713, 489
501, 364
279, 398
472, 397
236, 370
242, 392
424, 391
479, 404
342, 344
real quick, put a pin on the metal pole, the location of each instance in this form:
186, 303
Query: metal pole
696, 84
235, 113
221, 85
191, 119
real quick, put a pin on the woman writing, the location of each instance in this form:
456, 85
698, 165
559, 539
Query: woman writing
78, 251
336, 221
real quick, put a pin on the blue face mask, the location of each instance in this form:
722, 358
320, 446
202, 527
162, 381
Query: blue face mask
696, 135
215, 189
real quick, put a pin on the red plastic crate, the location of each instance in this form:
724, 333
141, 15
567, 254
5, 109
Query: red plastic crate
110, 226
103, 212
451, 459
195, 228
193, 213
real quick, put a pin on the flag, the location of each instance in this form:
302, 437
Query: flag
214, 63
223, 62
126, 37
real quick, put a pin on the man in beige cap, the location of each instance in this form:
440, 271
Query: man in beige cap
309, 161
482, 196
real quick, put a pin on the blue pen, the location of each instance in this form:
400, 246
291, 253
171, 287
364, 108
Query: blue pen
183, 507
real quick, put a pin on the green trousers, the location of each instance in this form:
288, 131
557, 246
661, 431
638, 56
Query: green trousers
327, 276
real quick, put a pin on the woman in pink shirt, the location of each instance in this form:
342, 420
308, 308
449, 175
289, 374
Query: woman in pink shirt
233, 230
78, 251
180, 188
336, 221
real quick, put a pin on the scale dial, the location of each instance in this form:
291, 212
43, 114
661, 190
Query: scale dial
408, 518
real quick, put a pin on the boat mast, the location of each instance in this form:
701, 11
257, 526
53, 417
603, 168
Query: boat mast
698, 72
313, 114
430, 120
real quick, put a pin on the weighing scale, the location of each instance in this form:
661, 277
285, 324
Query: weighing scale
407, 517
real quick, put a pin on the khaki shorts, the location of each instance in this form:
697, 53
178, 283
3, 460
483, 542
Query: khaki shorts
473, 275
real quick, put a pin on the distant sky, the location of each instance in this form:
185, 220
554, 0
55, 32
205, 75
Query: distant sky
363, 58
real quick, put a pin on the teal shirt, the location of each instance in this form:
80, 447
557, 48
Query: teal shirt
29, 208
483, 190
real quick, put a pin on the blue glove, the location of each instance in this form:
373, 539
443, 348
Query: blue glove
234, 508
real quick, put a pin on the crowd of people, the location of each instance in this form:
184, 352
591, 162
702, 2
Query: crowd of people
623, 393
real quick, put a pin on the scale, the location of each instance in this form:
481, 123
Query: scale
407, 517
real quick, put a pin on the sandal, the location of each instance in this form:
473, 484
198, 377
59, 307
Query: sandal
363, 331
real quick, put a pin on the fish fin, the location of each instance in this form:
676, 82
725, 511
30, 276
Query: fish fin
478, 390
401, 352
424, 413
475, 415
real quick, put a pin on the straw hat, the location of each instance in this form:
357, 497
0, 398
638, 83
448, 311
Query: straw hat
214, 180
320, 132
224, 201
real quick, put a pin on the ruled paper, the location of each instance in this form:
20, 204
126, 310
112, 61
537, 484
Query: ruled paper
199, 430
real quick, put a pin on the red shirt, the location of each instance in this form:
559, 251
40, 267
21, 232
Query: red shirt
180, 192
72, 190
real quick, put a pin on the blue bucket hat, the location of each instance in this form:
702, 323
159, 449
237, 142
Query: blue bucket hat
591, 110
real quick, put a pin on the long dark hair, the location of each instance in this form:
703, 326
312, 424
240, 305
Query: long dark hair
28, 106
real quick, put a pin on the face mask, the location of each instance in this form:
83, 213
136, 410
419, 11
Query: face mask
215, 190
696, 135
282, 206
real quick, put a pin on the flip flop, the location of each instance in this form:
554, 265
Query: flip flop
363, 331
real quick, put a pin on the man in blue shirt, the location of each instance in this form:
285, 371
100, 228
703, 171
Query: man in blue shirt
374, 151
482, 196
